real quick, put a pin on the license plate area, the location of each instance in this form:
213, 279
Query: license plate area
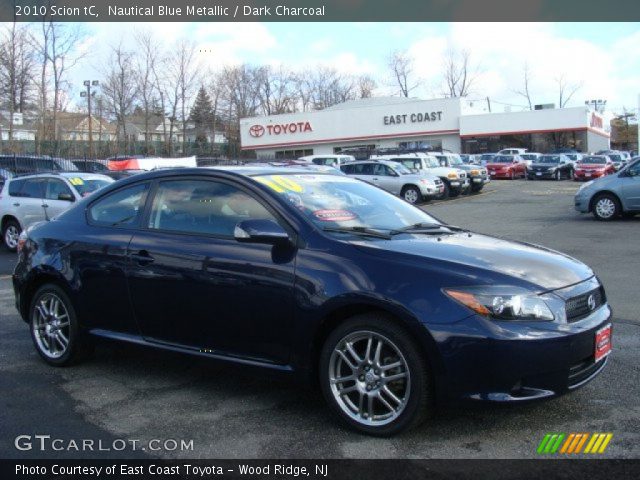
602, 344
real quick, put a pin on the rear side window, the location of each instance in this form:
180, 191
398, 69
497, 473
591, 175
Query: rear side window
15, 187
33, 188
121, 208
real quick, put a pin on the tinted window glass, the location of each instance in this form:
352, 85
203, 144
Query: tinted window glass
123, 207
32, 188
203, 207
55, 187
15, 187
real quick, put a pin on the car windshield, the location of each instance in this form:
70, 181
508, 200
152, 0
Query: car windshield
549, 159
593, 160
487, 156
616, 158
325, 161
502, 159
455, 161
529, 156
86, 186
331, 201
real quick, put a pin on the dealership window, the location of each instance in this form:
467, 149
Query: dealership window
535, 142
435, 145
292, 154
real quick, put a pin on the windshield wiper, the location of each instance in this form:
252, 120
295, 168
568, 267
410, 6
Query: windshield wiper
364, 231
427, 228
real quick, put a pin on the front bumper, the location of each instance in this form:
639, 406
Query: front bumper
516, 362
582, 203
500, 174
582, 176
432, 190
532, 175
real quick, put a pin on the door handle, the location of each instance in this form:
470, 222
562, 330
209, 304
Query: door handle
44, 205
16, 204
142, 257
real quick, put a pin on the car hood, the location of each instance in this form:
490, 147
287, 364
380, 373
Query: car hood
498, 165
546, 165
544, 268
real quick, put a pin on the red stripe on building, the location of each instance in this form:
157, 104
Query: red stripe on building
343, 139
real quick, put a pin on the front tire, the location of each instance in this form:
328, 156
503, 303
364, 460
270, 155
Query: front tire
54, 327
606, 207
374, 377
10, 234
411, 194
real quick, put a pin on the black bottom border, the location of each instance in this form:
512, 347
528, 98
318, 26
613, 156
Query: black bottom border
462, 469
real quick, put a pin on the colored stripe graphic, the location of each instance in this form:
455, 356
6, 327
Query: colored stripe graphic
573, 443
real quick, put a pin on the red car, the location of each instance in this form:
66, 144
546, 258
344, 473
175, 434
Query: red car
507, 166
593, 166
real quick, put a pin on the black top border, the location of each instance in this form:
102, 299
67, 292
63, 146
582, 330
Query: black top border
319, 10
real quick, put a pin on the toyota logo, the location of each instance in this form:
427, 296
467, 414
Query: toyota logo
256, 130
591, 302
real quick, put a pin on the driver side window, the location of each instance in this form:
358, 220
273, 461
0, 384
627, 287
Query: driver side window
634, 171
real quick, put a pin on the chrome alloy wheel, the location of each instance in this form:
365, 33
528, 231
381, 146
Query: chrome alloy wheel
11, 236
605, 207
369, 378
51, 326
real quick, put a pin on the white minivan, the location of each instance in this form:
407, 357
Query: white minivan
27, 199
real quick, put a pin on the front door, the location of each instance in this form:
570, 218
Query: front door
631, 187
193, 285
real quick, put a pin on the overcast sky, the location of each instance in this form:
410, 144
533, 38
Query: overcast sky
603, 57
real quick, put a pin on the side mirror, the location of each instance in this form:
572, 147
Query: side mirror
67, 197
260, 231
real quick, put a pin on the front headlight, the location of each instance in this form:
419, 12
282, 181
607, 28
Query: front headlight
503, 303
426, 181
452, 176
552, 170
475, 172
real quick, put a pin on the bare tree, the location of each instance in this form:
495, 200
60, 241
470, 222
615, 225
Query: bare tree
401, 65
366, 85
458, 75
145, 64
119, 87
526, 81
566, 90
58, 48
275, 90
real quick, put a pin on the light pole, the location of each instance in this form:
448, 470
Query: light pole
88, 93
598, 105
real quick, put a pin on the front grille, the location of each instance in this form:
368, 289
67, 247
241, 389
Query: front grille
437, 181
578, 307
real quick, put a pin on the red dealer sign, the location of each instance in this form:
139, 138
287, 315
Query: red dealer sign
280, 129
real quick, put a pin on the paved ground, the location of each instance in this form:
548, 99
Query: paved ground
132, 393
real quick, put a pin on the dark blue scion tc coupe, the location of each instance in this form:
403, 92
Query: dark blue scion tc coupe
318, 275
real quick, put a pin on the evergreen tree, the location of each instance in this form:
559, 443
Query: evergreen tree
202, 113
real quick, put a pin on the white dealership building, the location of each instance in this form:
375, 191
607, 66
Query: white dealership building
454, 124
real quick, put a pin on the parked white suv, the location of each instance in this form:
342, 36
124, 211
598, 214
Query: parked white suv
395, 178
27, 199
455, 180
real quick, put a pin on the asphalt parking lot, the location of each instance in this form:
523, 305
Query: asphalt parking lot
230, 412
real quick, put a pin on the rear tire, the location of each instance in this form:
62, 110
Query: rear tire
54, 328
447, 190
606, 207
10, 234
367, 401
